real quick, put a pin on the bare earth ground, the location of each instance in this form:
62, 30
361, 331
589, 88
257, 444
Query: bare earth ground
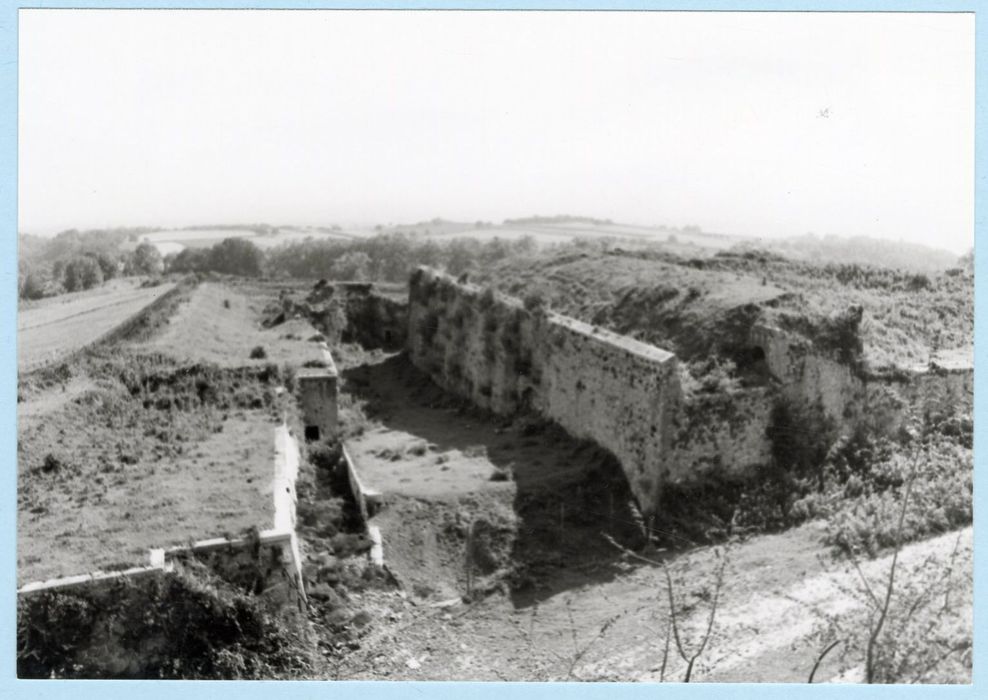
205, 330
777, 586
53, 328
576, 608
442, 466
582, 611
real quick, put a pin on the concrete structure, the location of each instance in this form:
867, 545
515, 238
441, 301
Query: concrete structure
368, 500
271, 557
318, 396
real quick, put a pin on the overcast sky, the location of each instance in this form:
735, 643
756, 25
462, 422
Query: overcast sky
754, 124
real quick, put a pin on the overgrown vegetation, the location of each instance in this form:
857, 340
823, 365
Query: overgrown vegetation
189, 624
77, 260
855, 483
390, 257
162, 407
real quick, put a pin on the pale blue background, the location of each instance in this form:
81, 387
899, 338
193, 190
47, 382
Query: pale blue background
9, 686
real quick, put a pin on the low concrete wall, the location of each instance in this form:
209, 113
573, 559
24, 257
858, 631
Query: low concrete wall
368, 500
267, 563
93, 580
286, 464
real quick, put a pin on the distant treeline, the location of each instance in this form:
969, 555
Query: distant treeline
76, 260
862, 250
387, 257
560, 219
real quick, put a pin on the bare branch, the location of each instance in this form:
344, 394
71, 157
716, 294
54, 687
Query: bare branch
819, 659
883, 614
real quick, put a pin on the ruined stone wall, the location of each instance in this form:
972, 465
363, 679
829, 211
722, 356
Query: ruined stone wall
625, 395
611, 389
810, 376
614, 390
473, 344
721, 432
850, 396
373, 319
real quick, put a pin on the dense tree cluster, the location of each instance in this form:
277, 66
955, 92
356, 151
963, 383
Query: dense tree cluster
390, 257
74, 260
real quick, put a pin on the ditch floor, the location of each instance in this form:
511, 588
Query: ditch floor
498, 564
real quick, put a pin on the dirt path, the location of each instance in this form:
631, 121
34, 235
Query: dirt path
766, 615
46, 333
589, 613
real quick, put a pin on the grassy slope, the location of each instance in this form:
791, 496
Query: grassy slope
121, 450
662, 298
221, 324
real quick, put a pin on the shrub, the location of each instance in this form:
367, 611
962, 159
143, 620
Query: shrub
82, 273
146, 260
236, 256
800, 436
186, 624
258, 353
536, 302
52, 464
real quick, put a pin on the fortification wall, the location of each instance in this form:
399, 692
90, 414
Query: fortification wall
810, 376
882, 400
373, 319
719, 432
614, 390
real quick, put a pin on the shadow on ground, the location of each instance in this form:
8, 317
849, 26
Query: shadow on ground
567, 493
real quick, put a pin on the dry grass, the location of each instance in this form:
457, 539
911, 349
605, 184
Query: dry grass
663, 299
222, 324
116, 493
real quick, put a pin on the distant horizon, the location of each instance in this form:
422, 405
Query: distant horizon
496, 222
756, 125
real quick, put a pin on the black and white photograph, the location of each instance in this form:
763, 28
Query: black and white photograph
460, 345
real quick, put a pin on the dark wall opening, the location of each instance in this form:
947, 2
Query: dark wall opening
752, 366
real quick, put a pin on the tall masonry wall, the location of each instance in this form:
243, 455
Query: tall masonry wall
850, 396
625, 395
614, 390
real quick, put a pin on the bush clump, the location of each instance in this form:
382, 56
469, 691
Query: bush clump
187, 624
